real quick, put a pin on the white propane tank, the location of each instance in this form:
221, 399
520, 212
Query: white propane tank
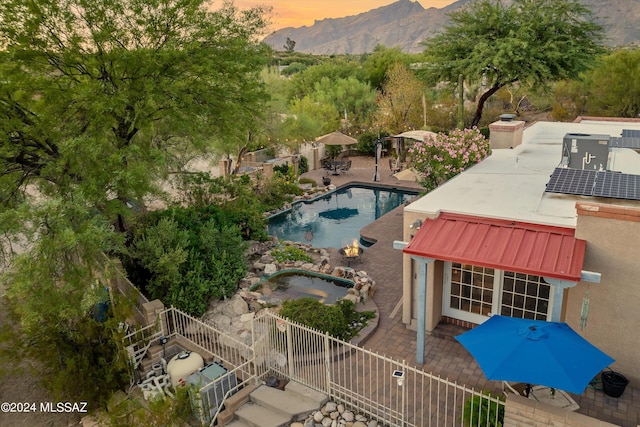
182, 365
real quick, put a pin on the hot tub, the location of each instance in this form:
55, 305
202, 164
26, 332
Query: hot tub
296, 283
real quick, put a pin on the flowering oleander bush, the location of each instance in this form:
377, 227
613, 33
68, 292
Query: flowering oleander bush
441, 157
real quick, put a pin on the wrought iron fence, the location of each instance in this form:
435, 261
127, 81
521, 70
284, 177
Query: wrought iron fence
389, 391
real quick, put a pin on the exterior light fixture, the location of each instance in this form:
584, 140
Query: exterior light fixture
399, 376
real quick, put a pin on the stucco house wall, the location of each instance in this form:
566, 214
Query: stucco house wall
612, 233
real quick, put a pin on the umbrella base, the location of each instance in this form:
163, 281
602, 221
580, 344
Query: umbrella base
556, 398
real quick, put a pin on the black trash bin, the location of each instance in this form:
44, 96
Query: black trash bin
614, 383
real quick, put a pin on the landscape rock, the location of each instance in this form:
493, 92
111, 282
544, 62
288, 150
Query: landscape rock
334, 415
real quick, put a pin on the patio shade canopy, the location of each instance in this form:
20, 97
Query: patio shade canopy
520, 247
336, 138
418, 135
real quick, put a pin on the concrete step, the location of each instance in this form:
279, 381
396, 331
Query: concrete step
254, 415
288, 401
272, 407
309, 393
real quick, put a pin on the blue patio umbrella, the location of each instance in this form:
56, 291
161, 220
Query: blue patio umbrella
534, 352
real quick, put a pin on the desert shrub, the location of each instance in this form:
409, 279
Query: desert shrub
443, 156
480, 411
308, 181
341, 320
185, 258
290, 253
303, 165
283, 169
294, 67
276, 192
134, 411
366, 142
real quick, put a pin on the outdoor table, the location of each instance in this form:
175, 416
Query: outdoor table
560, 399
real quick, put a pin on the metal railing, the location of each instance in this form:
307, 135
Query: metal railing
137, 342
386, 390
225, 349
234, 355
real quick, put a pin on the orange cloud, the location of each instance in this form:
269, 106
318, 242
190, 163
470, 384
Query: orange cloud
290, 13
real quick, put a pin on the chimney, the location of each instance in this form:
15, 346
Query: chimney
506, 133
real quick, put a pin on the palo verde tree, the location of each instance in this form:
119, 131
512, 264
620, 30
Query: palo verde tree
99, 100
528, 41
400, 106
614, 85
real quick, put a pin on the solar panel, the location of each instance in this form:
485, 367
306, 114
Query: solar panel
572, 181
630, 133
625, 142
617, 185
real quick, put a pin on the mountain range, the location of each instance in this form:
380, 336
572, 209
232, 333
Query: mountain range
406, 24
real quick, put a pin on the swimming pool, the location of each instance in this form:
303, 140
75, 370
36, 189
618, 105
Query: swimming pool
335, 220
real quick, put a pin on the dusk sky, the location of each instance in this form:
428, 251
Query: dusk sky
297, 13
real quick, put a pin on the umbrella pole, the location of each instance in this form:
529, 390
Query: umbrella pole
378, 143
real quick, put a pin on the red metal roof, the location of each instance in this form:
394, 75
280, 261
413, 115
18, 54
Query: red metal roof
521, 247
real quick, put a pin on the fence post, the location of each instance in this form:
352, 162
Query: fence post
253, 346
403, 390
327, 362
289, 350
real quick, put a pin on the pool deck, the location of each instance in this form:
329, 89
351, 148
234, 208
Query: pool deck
443, 355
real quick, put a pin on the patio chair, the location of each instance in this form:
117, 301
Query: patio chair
346, 167
394, 165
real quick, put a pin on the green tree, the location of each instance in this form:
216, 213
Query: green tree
529, 41
400, 105
350, 97
307, 119
303, 83
289, 45
614, 85
99, 100
380, 60
103, 97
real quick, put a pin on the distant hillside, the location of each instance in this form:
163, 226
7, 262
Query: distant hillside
406, 23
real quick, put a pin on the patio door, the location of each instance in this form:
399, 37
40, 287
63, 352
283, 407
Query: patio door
470, 291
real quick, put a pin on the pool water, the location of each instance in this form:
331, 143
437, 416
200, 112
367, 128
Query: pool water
335, 219
287, 285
